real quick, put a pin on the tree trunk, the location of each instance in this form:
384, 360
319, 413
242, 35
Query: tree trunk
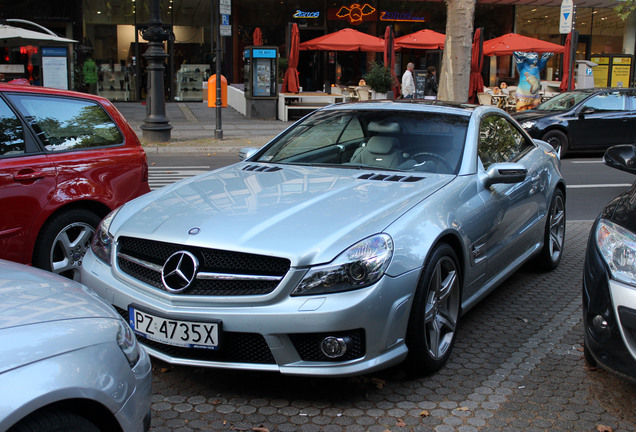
455, 73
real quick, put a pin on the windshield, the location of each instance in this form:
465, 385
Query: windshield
390, 140
562, 102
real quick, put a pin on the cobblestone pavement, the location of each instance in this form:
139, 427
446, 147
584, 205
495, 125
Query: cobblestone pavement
517, 365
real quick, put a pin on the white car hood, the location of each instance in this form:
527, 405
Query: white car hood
306, 214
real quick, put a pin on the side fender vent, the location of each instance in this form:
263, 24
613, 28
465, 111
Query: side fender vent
390, 178
261, 168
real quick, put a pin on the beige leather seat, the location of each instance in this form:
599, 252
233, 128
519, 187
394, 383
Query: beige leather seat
381, 151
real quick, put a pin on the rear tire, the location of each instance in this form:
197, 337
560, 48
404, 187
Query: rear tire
63, 242
554, 235
55, 421
435, 313
558, 140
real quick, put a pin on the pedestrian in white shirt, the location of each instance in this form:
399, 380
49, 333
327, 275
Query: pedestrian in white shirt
408, 85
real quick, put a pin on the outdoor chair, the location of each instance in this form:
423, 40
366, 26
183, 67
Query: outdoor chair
348, 94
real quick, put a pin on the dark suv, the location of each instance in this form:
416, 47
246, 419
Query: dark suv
66, 160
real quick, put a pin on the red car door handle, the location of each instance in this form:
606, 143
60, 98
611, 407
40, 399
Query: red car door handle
33, 175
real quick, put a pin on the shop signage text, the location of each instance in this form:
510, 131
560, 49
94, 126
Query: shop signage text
304, 14
401, 16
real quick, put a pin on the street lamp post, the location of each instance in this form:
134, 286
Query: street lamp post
156, 127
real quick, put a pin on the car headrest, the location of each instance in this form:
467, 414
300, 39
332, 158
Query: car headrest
384, 127
381, 144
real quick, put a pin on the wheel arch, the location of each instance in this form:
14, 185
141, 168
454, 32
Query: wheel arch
558, 128
452, 239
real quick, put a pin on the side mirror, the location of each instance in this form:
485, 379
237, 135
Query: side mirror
586, 110
247, 152
621, 157
505, 173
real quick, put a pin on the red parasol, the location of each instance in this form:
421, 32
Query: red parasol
507, 44
566, 83
423, 39
257, 37
290, 80
345, 40
389, 57
476, 84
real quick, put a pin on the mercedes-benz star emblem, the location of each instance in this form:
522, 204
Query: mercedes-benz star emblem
179, 271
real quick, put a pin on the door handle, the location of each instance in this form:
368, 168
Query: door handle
33, 175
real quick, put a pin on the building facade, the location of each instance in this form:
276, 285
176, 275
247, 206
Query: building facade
109, 34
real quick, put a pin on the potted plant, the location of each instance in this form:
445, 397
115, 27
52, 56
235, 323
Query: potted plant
380, 80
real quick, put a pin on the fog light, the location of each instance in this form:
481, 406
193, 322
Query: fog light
600, 324
333, 347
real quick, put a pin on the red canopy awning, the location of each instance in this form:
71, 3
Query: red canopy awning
476, 81
345, 40
423, 39
257, 37
509, 43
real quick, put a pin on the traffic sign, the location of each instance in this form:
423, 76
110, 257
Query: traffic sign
225, 20
226, 30
225, 7
566, 18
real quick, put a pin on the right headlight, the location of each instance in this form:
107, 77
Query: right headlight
528, 124
618, 249
361, 265
102, 243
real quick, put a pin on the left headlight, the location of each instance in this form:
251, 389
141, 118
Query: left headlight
128, 343
528, 124
618, 248
361, 265
102, 243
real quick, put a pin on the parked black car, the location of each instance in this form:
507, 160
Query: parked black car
609, 278
584, 120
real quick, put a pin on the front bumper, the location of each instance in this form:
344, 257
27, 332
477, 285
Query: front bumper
275, 332
613, 347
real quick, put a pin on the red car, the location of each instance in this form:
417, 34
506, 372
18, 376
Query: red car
66, 160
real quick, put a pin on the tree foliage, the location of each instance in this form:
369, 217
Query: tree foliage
625, 8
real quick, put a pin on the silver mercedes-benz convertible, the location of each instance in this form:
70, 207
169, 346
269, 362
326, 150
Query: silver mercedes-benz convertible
353, 241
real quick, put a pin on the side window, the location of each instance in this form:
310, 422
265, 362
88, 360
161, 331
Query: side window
68, 124
11, 132
608, 102
499, 141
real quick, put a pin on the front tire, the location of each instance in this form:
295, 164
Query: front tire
63, 242
435, 313
558, 140
55, 421
554, 235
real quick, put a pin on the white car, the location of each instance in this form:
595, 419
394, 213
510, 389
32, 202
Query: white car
354, 239
68, 362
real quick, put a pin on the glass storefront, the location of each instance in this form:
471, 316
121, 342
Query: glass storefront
109, 58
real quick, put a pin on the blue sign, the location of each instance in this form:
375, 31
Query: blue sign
264, 53
54, 52
225, 20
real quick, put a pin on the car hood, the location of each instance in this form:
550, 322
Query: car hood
306, 214
31, 296
533, 115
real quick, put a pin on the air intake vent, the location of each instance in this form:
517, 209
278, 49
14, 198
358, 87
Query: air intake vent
261, 168
391, 178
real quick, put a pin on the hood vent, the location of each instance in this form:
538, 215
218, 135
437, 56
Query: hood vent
390, 178
261, 168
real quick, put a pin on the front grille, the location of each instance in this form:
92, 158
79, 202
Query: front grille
211, 260
308, 345
235, 348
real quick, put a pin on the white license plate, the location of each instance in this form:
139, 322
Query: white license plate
189, 334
